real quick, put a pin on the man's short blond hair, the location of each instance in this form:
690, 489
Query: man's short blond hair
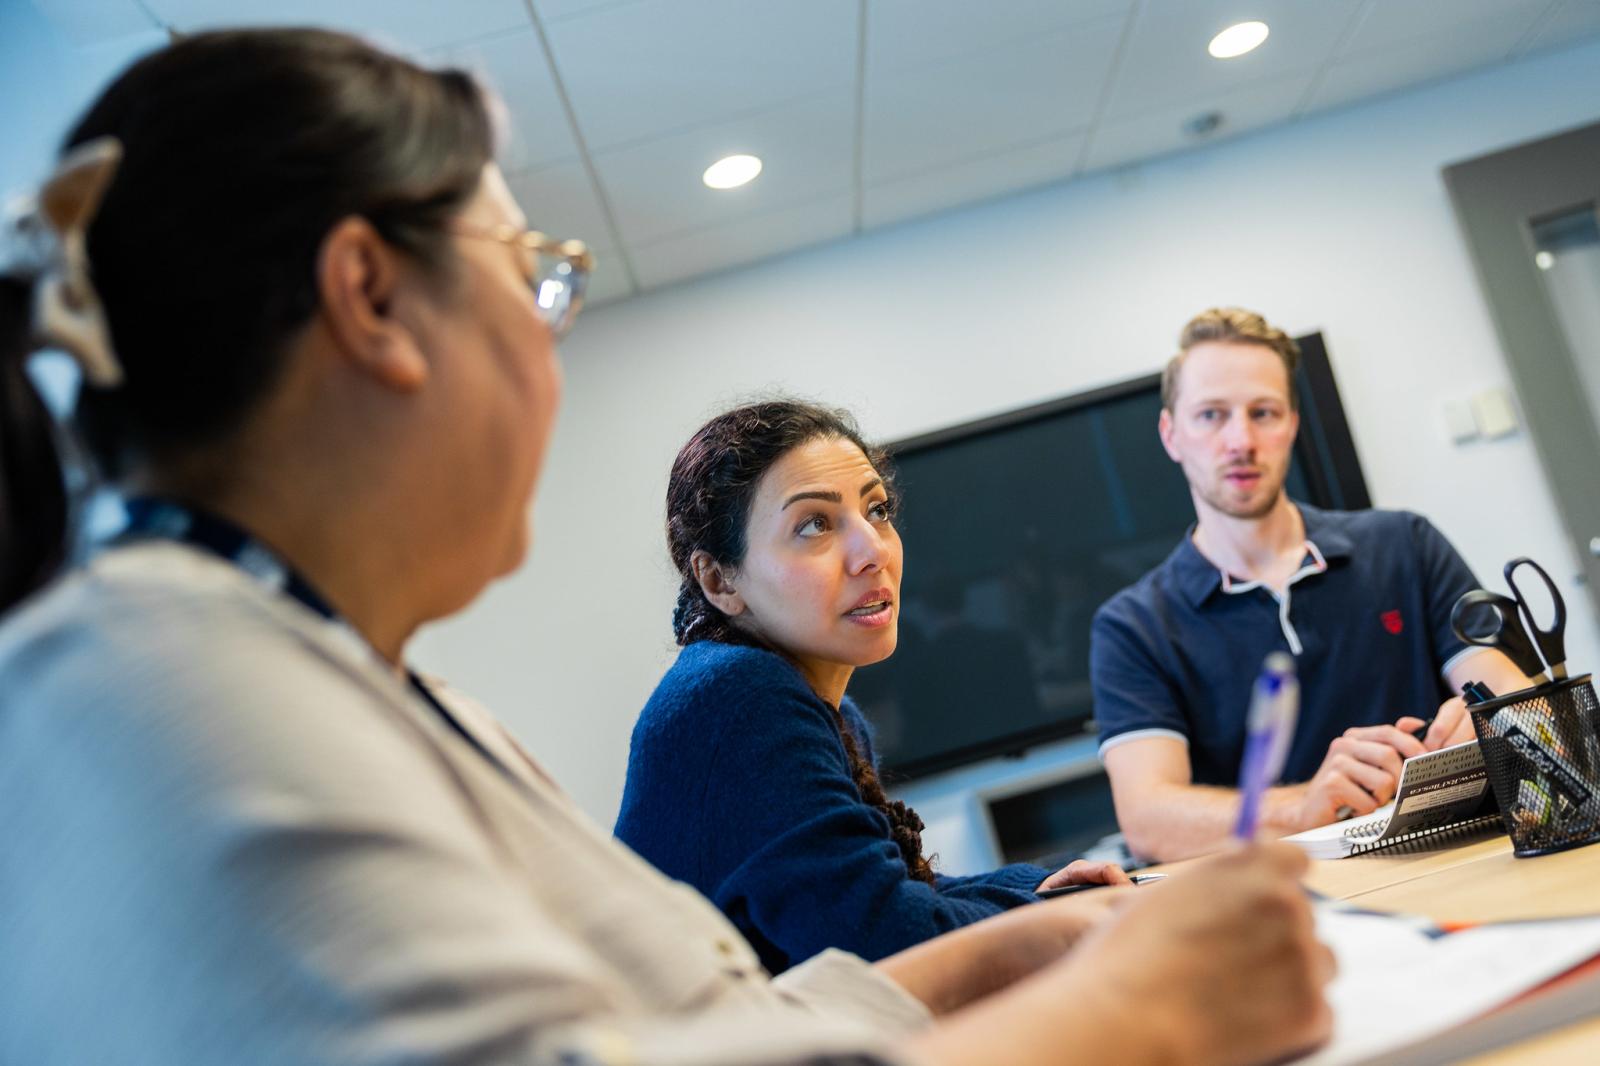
1230, 325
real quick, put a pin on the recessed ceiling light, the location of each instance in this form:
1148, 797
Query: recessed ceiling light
732, 172
1238, 39
1544, 260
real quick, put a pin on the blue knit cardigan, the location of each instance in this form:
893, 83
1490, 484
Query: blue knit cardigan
739, 784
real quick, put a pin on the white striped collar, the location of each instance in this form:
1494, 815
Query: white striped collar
1316, 564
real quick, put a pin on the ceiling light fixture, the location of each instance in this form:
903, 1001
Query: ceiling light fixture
1238, 39
732, 172
1544, 260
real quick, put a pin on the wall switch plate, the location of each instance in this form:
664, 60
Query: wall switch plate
1458, 419
1496, 415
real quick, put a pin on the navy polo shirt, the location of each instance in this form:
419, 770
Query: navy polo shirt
1367, 619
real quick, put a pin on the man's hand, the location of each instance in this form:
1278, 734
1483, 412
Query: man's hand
1084, 872
1452, 725
1359, 774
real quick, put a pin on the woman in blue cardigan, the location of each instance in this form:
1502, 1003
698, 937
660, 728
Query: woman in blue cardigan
752, 775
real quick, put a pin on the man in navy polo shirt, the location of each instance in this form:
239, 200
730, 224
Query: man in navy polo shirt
1361, 599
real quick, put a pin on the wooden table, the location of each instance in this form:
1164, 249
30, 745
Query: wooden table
1362, 874
1481, 882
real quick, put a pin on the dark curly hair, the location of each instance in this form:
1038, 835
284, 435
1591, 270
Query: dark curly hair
709, 494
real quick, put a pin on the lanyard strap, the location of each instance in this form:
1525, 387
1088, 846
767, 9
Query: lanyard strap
151, 518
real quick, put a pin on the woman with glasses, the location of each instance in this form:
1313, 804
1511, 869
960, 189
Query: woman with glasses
317, 344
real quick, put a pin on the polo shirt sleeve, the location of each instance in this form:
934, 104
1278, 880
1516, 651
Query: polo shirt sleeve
1134, 696
1445, 577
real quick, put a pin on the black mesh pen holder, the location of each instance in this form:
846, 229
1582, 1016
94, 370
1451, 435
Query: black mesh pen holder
1542, 749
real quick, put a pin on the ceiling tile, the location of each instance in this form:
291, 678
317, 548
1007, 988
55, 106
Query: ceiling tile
1161, 131
807, 148
85, 22
609, 282
737, 243
1396, 21
963, 102
909, 32
1573, 21
561, 201
1450, 50
970, 181
405, 24
934, 115
537, 130
1166, 63
640, 70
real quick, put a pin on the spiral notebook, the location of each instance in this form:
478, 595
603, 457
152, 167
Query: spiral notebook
1444, 797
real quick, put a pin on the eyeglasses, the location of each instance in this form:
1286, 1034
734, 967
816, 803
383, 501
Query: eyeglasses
557, 271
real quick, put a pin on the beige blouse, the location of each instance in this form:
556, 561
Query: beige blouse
230, 833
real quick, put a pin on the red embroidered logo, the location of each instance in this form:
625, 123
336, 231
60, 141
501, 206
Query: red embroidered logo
1392, 622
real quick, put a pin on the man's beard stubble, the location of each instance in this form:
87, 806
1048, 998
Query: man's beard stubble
1213, 496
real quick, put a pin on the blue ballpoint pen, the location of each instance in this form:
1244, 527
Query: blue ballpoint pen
1274, 706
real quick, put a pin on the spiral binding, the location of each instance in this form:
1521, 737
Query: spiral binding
1485, 825
1371, 829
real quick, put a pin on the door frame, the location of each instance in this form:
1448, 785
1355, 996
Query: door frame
1497, 199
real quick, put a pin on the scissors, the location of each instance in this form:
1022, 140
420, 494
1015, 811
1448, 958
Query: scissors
1515, 632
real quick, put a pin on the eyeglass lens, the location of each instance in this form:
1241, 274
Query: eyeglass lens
556, 290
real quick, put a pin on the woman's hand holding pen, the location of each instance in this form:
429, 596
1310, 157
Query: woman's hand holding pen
1217, 965
1220, 963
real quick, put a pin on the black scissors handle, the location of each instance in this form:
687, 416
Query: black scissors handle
1507, 636
1551, 642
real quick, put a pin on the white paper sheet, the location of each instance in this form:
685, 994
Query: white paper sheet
1401, 985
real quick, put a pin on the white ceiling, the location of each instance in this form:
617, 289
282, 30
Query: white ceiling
866, 112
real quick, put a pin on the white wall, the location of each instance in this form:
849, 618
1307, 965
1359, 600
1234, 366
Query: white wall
46, 81
1339, 223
